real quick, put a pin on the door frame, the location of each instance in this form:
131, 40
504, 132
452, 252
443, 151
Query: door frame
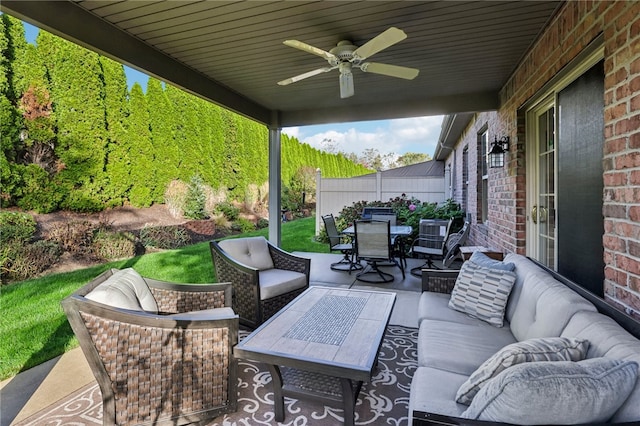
545, 98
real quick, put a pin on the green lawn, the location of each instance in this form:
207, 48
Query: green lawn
34, 329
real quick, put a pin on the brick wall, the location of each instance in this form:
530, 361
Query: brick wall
576, 25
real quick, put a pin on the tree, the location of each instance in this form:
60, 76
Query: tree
77, 90
10, 177
38, 136
162, 121
412, 158
118, 166
141, 156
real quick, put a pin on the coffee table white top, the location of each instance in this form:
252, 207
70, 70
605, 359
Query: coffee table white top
336, 332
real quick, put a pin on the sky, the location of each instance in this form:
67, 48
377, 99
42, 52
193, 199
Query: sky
398, 137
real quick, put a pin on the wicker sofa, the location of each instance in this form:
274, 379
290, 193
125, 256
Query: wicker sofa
511, 384
161, 352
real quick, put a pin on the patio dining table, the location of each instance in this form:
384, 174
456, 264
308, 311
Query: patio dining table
396, 230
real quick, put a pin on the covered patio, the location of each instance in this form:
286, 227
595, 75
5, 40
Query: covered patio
52, 384
494, 63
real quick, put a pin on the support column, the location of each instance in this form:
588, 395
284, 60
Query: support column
275, 185
319, 211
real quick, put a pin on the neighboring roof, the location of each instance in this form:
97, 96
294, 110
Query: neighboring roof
232, 52
452, 127
427, 168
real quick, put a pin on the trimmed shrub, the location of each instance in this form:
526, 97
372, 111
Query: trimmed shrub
16, 226
109, 245
82, 203
164, 237
229, 211
243, 225
262, 223
39, 191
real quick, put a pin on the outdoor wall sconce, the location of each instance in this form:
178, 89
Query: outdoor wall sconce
498, 148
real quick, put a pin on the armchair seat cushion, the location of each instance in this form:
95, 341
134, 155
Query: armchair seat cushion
203, 315
275, 282
125, 289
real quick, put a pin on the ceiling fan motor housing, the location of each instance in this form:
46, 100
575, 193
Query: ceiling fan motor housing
344, 52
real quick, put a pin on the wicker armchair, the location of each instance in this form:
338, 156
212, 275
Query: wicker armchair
175, 366
265, 278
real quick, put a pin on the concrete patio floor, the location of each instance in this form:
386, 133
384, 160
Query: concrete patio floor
37, 388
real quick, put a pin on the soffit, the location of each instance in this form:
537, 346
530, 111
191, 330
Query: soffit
232, 53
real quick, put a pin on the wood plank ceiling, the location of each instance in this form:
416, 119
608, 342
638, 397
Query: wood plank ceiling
232, 52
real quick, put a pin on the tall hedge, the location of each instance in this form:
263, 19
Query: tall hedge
73, 136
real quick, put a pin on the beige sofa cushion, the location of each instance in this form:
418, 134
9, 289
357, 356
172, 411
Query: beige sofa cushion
251, 251
608, 339
532, 350
125, 289
544, 307
459, 348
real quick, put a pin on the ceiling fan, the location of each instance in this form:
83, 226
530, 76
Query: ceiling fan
345, 56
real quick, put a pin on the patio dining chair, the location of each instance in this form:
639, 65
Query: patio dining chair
448, 250
343, 244
373, 245
397, 242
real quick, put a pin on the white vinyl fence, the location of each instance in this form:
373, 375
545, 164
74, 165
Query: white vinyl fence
333, 194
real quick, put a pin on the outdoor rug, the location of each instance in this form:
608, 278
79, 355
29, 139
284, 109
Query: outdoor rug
383, 401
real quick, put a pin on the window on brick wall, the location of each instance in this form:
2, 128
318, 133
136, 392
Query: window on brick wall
483, 169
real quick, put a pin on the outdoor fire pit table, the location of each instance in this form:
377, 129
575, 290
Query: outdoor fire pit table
324, 344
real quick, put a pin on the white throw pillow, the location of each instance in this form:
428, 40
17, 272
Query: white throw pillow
482, 292
539, 349
562, 392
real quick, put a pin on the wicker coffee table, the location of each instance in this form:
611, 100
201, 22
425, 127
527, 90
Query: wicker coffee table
324, 345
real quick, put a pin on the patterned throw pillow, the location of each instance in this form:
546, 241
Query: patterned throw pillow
563, 392
482, 292
539, 349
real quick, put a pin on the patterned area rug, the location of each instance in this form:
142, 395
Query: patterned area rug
385, 400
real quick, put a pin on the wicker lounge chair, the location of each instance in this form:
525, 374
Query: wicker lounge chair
175, 366
265, 278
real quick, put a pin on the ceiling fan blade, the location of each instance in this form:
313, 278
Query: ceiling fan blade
305, 75
390, 70
383, 40
346, 85
311, 49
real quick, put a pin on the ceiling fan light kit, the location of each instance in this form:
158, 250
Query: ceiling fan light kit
345, 56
